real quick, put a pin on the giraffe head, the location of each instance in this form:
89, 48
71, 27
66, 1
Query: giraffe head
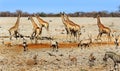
29, 17
62, 13
36, 15
98, 16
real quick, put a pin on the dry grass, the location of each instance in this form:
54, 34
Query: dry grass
18, 60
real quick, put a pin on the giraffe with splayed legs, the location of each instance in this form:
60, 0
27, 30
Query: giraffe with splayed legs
103, 29
75, 28
42, 22
36, 30
14, 30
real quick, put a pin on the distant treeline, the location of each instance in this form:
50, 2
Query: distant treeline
75, 14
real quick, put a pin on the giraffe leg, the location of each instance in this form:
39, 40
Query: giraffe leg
75, 36
40, 38
78, 35
98, 36
16, 34
109, 37
47, 28
70, 35
33, 35
101, 34
37, 38
67, 34
37, 33
10, 35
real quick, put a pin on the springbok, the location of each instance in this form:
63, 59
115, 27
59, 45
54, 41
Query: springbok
85, 42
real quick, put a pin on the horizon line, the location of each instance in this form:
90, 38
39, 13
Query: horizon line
57, 12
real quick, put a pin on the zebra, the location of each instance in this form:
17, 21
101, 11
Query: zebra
115, 57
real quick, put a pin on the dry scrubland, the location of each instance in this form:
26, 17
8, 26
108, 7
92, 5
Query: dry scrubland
13, 58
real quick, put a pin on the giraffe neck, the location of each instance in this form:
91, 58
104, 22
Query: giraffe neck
33, 23
98, 20
40, 20
63, 19
69, 21
67, 18
100, 25
17, 22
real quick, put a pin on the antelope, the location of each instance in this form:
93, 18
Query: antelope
73, 59
32, 61
85, 42
54, 45
91, 60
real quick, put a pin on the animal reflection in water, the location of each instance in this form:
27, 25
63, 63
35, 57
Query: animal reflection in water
115, 57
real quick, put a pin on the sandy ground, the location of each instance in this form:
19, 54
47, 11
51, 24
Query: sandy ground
13, 58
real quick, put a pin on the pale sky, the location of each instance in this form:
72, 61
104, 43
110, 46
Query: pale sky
56, 6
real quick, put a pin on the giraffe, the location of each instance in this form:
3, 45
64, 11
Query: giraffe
42, 22
67, 26
75, 28
102, 29
14, 30
36, 29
